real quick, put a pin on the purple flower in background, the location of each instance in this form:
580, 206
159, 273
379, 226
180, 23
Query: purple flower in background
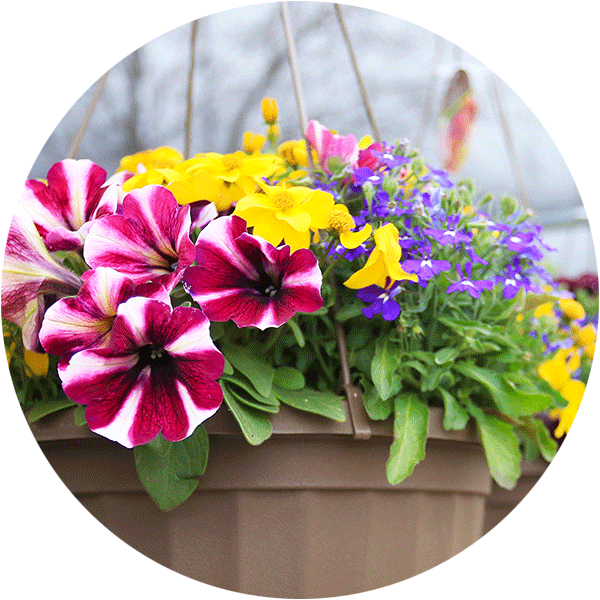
450, 235
365, 174
380, 301
439, 176
474, 288
389, 160
512, 281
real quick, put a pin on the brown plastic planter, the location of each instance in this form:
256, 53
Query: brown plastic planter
501, 502
307, 514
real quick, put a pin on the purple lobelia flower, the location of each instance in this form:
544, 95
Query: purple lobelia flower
381, 301
149, 241
450, 235
244, 278
159, 374
74, 197
438, 176
426, 268
474, 288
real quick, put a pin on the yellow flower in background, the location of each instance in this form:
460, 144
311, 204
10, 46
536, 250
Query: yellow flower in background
571, 308
159, 158
584, 336
269, 110
544, 310
383, 262
253, 142
572, 392
295, 153
285, 213
365, 142
37, 362
340, 219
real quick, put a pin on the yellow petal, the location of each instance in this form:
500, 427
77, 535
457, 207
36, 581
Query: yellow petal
296, 217
353, 239
571, 308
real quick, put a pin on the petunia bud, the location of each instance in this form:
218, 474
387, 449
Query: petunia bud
390, 185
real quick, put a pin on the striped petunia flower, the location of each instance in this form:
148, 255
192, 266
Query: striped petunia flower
32, 279
159, 374
85, 321
244, 278
64, 208
149, 241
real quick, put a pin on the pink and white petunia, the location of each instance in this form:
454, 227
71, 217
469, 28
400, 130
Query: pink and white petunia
159, 374
149, 241
329, 145
244, 278
64, 208
85, 321
31, 278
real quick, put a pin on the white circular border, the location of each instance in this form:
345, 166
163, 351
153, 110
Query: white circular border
54, 51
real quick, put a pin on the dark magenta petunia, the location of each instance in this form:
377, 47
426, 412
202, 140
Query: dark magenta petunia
159, 374
85, 321
244, 278
75, 195
149, 241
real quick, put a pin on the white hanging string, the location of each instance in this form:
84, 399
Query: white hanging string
190, 90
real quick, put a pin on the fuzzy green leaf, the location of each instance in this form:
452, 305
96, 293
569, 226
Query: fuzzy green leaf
44, 408
169, 470
258, 371
455, 416
325, 404
254, 425
289, 378
411, 417
384, 368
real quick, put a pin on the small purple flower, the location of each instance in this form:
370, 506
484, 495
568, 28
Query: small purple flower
380, 301
474, 288
365, 174
426, 268
389, 160
439, 176
450, 235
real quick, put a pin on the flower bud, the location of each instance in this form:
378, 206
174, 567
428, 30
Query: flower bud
269, 110
390, 185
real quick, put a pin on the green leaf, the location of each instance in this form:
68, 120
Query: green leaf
511, 401
254, 425
297, 333
168, 470
455, 416
289, 378
348, 311
258, 371
538, 432
44, 408
250, 400
501, 447
377, 409
446, 355
242, 383
383, 368
79, 416
410, 435
326, 404
227, 369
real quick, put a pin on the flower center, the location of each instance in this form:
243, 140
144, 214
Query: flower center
340, 220
153, 356
231, 162
283, 200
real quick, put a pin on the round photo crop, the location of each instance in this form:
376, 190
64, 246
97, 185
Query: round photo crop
304, 314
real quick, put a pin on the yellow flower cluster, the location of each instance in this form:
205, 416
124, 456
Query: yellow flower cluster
559, 369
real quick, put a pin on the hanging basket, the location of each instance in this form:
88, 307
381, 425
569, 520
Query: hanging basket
306, 514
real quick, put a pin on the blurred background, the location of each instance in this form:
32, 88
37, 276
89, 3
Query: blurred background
240, 57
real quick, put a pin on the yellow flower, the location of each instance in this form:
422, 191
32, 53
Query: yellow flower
37, 362
365, 142
340, 219
571, 308
584, 336
159, 158
220, 178
544, 310
383, 262
269, 110
294, 152
253, 142
285, 213
555, 371
572, 392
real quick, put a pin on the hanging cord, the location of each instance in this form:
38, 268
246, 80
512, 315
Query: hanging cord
361, 85
291, 48
88, 115
510, 148
190, 90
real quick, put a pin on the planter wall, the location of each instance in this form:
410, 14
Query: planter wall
308, 513
501, 502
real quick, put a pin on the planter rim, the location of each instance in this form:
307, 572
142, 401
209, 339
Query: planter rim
288, 421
